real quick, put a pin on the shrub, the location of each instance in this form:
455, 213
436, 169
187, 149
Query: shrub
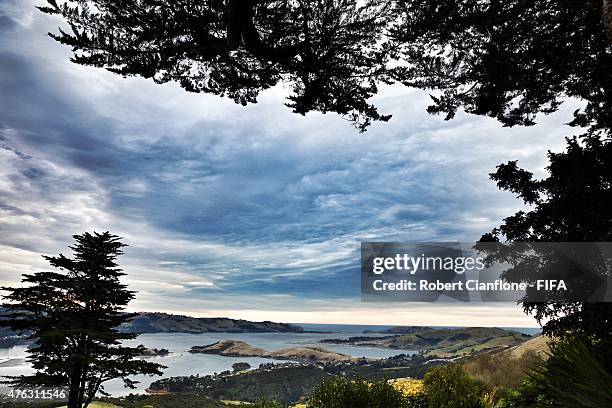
574, 377
408, 386
413, 390
448, 386
530, 394
341, 392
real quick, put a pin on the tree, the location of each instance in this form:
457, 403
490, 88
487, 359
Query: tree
511, 60
72, 315
327, 51
507, 59
571, 205
448, 386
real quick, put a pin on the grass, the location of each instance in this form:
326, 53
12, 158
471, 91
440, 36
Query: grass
500, 370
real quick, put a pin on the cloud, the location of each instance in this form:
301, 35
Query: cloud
224, 206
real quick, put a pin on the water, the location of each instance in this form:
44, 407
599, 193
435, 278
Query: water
358, 329
180, 362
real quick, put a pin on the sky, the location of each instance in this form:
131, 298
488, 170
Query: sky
247, 212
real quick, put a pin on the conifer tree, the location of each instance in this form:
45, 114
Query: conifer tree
572, 204
72, 316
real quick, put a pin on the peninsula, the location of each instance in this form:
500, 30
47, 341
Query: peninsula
237, 348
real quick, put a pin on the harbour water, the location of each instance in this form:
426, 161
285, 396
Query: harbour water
182, 363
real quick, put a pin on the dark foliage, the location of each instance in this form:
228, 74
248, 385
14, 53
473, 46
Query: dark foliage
508, 59
72, 315
327, 51
571, 205
448, 386
572, 376
504, 59
530, 394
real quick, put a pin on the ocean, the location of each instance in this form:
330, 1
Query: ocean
180, 362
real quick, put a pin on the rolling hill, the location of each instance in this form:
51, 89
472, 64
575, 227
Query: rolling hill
452, 342
169, 323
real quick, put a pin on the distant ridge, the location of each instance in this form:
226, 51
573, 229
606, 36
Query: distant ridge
148, 322
399, 330
445, 343
169, 323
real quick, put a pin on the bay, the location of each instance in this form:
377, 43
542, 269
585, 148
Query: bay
182, 363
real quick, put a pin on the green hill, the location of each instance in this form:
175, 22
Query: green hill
452, 342
457, 342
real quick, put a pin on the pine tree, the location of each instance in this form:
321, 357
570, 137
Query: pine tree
572, 204
72, 315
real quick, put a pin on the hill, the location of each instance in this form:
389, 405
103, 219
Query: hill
168, 323
398, 330
456, 342
236, 348
444, 342
288, 382
507, 368
538, 345
285, 384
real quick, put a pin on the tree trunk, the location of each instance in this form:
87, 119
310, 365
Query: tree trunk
241, 30
236, 10
92, 392
81, 396
73, 392
607, 18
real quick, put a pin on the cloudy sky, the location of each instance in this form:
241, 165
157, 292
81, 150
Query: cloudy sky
250, 212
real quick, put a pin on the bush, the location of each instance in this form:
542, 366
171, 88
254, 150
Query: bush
412, 389
342, 392
573, 376
408, 386
529, 395
448, 386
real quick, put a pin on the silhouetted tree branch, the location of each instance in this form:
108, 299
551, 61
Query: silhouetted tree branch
572, 204
328, 51
507, 59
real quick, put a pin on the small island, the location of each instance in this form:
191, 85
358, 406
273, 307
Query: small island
237, 348
241, 366
154, 352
